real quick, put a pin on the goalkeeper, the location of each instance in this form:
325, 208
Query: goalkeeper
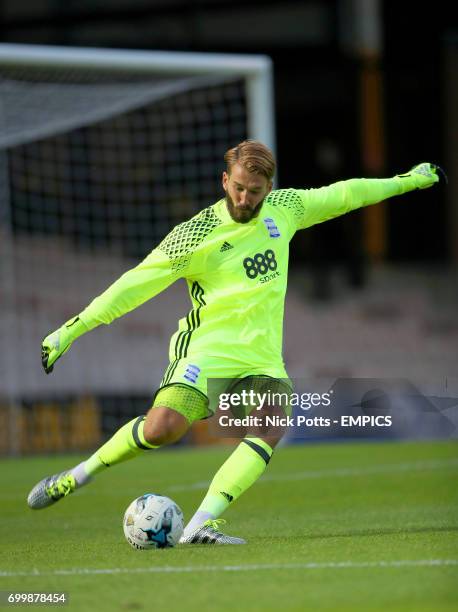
234, 257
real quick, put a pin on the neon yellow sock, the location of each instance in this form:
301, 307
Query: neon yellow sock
126, 443
242, 469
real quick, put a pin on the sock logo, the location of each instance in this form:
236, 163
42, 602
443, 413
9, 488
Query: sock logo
227, 496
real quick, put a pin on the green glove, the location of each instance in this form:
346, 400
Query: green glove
57, 343
422, 176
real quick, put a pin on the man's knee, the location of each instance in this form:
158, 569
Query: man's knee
164, 426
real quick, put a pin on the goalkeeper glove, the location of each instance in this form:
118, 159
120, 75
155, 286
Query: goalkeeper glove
57, 343
422, 176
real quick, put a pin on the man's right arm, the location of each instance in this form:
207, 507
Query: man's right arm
132, 289
180, 254
136, 286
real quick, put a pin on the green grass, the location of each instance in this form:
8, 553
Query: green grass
366, 506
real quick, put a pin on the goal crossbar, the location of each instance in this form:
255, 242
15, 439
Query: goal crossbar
256, 69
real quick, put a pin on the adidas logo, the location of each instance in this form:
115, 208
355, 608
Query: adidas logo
227, 496
225, 247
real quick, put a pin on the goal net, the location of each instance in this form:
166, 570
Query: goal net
101, 154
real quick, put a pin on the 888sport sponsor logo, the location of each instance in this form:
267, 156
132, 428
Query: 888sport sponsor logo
262, 265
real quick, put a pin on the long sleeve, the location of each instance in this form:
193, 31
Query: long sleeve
180, 254
339, 198
132, 289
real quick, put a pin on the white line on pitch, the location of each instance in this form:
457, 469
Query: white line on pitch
166, 569
338, 472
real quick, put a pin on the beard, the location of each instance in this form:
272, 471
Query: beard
242, 215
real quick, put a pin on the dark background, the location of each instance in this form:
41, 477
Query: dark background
317, 98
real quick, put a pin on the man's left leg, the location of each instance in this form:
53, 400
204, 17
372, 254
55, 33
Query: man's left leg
244, 466
241, 470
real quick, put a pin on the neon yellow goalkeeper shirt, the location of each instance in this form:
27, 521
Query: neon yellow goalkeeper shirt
236, 273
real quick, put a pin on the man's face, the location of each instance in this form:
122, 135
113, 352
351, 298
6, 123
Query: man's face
245, 193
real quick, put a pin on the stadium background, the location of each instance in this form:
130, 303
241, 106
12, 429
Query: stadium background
374, 302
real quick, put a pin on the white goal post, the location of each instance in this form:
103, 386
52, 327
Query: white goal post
257, 71
102, 152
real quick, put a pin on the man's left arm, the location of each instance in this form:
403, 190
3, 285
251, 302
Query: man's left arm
339, 198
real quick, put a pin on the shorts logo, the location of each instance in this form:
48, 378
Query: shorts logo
271, 227
192, 373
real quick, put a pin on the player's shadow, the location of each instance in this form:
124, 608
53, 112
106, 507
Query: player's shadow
380, 532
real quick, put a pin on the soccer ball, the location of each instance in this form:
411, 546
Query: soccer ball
153, 521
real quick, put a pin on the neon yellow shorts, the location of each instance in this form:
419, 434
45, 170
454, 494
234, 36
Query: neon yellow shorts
191, 385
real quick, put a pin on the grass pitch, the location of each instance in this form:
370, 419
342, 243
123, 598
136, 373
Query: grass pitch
329, 527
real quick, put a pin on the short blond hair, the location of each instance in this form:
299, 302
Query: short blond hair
253, 156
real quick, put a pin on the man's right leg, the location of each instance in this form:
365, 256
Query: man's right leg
162, 425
